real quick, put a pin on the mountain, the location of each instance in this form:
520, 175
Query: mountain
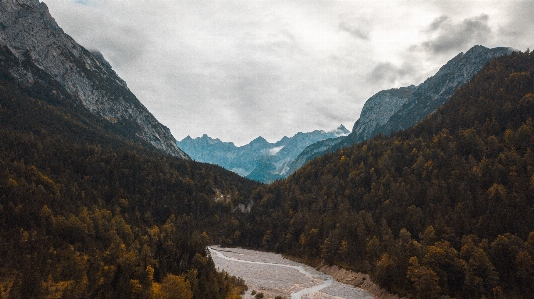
259, 160
42, 58
88, 208
379, 108
438, 89
399, 108
442, 209
376, 112
85, 212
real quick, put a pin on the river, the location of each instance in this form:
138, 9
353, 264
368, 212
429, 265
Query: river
273, 275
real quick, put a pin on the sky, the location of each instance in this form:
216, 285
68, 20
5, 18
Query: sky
236, 70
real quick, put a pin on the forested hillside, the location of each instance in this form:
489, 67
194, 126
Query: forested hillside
85, 213
442, 209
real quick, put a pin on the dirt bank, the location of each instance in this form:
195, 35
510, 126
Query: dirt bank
358, 280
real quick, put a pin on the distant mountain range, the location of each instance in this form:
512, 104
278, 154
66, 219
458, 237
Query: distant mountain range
400, 108
259, 160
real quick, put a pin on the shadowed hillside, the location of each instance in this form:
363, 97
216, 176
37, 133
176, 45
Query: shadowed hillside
87, 213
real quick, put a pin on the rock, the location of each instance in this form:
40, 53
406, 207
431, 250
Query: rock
47, 56
438, 89
397, 109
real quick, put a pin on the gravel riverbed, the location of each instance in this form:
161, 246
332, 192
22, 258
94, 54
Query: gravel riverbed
273, 275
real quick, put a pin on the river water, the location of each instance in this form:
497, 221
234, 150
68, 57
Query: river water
273, 275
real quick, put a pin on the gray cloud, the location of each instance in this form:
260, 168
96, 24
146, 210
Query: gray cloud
437, 23
124, 47
448, 36
386, 72
326, 112
356, 32
517, 30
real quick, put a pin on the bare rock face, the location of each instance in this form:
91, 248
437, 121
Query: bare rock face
438, 89
379, 108
46, 53
397, 109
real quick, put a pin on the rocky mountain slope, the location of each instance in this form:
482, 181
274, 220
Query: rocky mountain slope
396, 109
379, 108
376, 112
259, 160
42, 57
438, 89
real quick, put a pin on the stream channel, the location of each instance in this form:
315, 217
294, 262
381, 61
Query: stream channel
274, 275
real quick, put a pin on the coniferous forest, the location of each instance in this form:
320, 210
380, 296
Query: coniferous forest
444, 209
85, 213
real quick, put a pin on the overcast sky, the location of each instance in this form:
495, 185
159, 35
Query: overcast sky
236, 70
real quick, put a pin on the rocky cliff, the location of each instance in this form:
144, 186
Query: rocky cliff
400, 108
378, 109
48, 58
437, 90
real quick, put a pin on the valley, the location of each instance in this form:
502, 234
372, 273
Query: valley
430, 196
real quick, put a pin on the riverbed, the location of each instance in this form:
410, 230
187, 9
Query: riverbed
273, 275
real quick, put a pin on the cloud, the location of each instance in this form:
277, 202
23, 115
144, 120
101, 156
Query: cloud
387, 72
516, 30
122, 46
447, 36
437, 23
356, 32
275, 150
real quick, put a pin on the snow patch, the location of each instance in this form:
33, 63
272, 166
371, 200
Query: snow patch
241, 171
275, 150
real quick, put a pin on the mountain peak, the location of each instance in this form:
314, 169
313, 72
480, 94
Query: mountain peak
341, 131
52, 60
259, 140
395, 109
258, 160
437, 90
477, 48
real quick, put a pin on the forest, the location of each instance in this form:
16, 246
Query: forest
86, 213
442, 210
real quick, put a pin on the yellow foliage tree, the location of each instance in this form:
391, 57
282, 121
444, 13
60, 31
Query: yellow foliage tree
172, 287
424, 280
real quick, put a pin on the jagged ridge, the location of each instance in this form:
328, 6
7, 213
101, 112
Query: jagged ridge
259, 160
397, 109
